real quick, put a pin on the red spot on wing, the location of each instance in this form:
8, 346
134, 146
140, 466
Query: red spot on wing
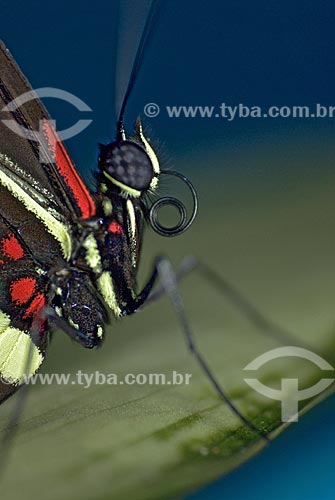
35, 307
22, 290
11, 248
115, 228
68, 172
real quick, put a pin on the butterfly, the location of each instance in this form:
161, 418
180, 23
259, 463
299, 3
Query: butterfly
68, 256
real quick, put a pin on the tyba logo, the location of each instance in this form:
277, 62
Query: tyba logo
289, 393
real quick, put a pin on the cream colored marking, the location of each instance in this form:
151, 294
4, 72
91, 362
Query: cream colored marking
132, 227
92, 257
73, 324
40, 271
56, 228
151, 153
4, 321
21, 178
107, 207
153, 184
58, 311
41, 196
123, 133
107, 290
132, 219
100, 332
19, 356
127, 191
103, 187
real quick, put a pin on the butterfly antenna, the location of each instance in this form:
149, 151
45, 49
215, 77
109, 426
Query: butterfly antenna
147, 30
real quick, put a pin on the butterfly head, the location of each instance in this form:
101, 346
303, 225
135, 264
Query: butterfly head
130, 164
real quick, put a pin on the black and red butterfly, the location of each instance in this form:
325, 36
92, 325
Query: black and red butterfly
68, 256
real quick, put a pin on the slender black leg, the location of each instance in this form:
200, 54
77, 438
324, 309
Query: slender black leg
266, 326
169, 283
188, 265
135, 303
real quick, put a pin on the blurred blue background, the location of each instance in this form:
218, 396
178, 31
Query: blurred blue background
260, 53
257, 53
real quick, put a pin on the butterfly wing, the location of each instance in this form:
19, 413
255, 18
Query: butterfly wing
41, 197
28, 139
23, 292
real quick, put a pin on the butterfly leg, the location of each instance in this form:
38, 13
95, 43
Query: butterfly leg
266, 326
169, 282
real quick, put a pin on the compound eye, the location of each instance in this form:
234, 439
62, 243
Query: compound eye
129, 164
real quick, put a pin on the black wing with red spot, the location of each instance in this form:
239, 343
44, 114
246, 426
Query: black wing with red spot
23, 291
41, 198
